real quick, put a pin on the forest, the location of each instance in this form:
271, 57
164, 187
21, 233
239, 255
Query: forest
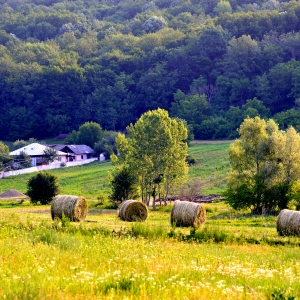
211, 63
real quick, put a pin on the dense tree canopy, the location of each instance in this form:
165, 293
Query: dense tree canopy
63, 64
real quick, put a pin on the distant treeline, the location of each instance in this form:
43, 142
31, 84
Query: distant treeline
209, 62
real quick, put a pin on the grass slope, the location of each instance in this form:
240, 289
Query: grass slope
211, 166
90, 180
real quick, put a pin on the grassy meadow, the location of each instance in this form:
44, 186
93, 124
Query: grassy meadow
233, 256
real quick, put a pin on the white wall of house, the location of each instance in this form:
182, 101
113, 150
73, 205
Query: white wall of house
38, 160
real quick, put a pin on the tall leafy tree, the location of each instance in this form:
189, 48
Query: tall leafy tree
265, 166
88, 133
107, 144
155, 150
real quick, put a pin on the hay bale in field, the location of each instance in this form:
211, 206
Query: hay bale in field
73, 207
288, 222
133, 210
186, 214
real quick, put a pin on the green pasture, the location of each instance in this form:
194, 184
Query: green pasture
233, 256
86, 180
211, 165
91, 180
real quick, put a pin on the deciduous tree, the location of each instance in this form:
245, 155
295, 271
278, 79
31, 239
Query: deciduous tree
43, 187
155, 150
88, 133
265, 166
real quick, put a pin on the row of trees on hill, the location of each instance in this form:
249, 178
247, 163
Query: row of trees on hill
66, 63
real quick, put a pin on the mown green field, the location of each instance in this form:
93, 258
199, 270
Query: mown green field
233, 256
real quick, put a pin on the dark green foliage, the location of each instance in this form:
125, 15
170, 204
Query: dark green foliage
4, 155
124, 185
279, 195
61, 67
43, 187
107, 144
190, 160
88, 133
247, 196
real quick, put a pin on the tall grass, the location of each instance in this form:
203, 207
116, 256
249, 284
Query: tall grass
43, 259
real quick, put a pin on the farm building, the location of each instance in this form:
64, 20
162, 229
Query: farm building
36, 152
75, 152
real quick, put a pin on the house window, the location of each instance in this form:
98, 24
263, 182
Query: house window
81, 156
59, 158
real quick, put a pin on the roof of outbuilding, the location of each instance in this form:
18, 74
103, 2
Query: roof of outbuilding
33, 150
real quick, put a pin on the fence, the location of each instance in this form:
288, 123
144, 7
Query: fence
46, 167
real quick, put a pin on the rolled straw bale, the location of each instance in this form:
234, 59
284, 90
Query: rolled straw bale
187, 214
73, 207
288, 222
133, 210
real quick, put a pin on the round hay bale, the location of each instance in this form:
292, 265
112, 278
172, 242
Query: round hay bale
288, 222
132, 211
187, 214
73, 207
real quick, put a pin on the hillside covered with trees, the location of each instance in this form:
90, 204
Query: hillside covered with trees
209, 62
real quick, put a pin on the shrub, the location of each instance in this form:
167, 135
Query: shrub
190, 160
102, 198
42, 188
